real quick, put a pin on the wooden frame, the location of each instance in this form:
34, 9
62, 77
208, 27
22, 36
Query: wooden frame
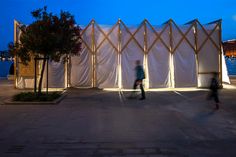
158, 36
16, 24
132, 36
184, 36
93, 47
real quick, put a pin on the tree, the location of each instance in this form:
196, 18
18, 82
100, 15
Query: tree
50, 37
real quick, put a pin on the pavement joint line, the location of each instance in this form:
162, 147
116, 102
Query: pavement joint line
178, 93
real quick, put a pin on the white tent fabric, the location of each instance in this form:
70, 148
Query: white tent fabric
56, 75
24, 83
107, 71
171, 56
81, 69
208, 57
185, 74
128, 58
158, 64
159, 60
225, 76
106, 59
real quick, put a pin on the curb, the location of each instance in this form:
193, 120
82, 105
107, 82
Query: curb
55, 102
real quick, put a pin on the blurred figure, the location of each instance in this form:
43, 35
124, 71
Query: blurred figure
140, 75
214, 86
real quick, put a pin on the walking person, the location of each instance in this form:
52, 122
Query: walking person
214, 86
140, 75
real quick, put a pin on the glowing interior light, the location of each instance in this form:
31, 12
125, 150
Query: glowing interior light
66, 74
171, 65
119, 72
194, 30
164, 89
145, 65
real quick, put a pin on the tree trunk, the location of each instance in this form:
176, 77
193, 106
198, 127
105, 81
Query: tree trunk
41, 77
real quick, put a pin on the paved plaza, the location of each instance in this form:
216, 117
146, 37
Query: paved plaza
97, 123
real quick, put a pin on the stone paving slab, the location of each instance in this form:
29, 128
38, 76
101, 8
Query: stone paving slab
170, 151
92, 122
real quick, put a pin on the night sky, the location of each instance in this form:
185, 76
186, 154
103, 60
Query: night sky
130, 11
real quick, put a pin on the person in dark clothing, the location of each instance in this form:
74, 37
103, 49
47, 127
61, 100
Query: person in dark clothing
140, 75
214, 86
11, 70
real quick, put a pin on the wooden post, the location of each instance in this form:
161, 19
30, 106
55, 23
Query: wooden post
171, 54
15, 57
145, 49
220, 53
68, 71
47, 77
196, 49
35, 75
93, 56
119, 56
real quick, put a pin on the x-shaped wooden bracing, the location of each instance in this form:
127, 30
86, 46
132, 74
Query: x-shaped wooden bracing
184, 36
106, 36
209, 37
158, 36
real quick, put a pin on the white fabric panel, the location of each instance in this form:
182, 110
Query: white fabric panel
190, 35
151, 36
208, 59
225, 76
87, 38
208, 56
25, 83
204, 80
158, 66
99, 36
106, 59
158, 59
81, 69
176, 36
125, 36
81, 66
56, 75
201, 35
113, 36
128, 58
20, 83
185, 74
165, 34
29, 83
215, 35
139, 36
107, 76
